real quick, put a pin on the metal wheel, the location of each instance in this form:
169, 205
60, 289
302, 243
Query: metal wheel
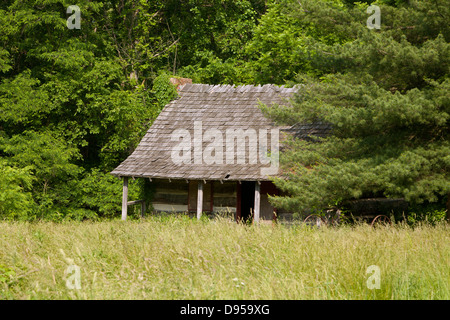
314, 221
380, 220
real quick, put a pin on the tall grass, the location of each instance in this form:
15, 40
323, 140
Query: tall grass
180, 258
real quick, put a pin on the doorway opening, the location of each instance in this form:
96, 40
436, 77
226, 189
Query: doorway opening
247, 200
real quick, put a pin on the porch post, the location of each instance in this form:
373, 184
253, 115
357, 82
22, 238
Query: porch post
125, 198
199, 199
257, 201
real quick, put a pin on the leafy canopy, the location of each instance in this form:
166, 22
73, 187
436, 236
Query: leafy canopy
387, 100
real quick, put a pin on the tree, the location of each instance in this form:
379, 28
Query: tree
75, 102
15, 199
212, 37
389, 108
68, 105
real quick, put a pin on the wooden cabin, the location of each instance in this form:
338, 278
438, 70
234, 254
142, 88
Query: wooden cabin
211, 150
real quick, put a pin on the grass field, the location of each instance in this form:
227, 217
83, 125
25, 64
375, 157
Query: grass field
179, 258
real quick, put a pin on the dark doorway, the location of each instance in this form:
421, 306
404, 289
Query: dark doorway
247, 200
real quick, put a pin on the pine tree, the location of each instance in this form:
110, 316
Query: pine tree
388, 103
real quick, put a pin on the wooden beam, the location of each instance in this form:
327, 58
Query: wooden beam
199, 199
256, 209
130, 203
141, 202
125, 198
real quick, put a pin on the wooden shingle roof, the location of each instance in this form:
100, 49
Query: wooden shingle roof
220, 107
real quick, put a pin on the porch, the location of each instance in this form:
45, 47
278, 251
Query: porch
244, 200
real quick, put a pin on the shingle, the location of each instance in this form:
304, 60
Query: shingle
219, 107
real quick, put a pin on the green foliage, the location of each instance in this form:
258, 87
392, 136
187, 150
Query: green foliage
163, 90
69, 107
292, 36
96, 195
6, 274
429, 213
221, 27
213, 70
15, 198
47, 156
387, 102
48, 159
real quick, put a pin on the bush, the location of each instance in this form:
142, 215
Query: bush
427, 213
15, 199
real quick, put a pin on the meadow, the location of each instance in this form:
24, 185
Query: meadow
180, 258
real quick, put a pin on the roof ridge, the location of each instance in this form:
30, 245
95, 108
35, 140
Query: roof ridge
229, 88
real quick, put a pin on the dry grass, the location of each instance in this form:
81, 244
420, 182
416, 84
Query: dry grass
179, 258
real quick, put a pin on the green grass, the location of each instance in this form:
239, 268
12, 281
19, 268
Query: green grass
180, 258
